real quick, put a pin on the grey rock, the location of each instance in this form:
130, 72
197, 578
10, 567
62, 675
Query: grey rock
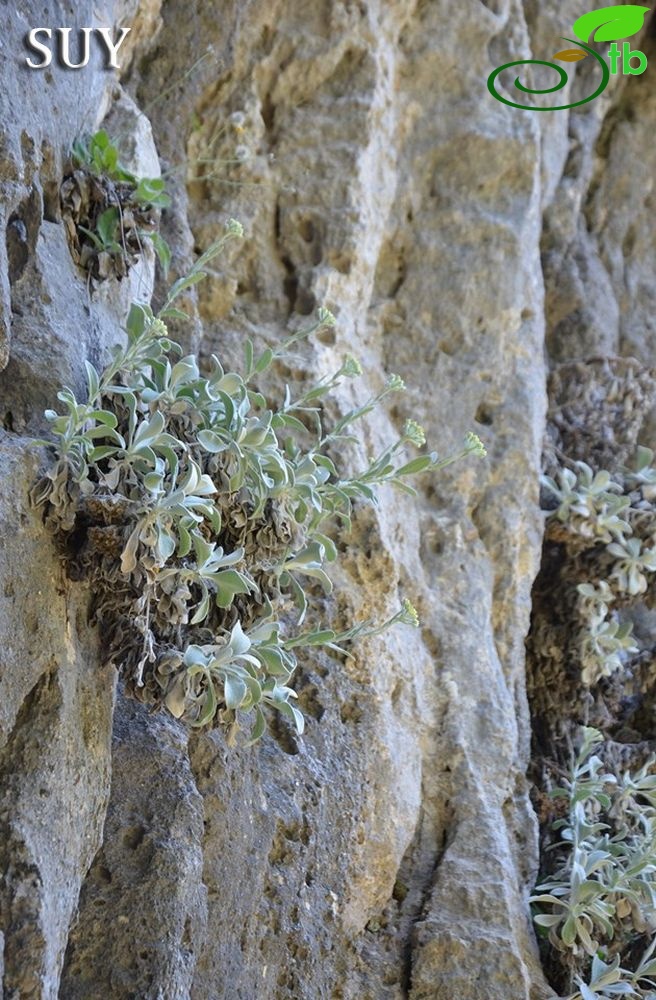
389, 853
148, 870
54, 739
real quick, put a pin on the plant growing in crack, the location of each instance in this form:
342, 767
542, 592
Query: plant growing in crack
109, 212
608, 524
205, 516
598, 904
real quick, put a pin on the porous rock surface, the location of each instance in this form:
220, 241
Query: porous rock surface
390, 852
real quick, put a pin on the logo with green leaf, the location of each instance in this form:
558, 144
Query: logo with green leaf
609, 24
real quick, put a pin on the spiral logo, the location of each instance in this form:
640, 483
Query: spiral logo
562, 81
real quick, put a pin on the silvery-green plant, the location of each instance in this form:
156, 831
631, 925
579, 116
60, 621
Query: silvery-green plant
595, 601
632, 564
605, 647
600, 895
643, 473
614, 518
589, 503
607, 980
204, 515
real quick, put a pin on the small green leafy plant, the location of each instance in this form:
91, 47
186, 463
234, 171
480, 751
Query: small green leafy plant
205, 516
101, 157
599, 900
109, 211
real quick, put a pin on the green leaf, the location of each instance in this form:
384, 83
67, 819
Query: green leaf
103, 451
239, 641
163, 251
298, 594
93, 382
420, 464
326, 463
264, 361
202, 548
292, 714
105, 417
319, 638
136, 322
568, 933
202, 610
165, 544
95, 239
547, 919
108, 226
256, 399
149, 430
184, 540
152, 480
182, 284
171, 313
209, 711
254, 688
234, 691
102, 431
229, 583
129, 554
259, 728
212, 442
311, 556
609, 24
323, 578
404, 488
150, 191
248, 357
100, 140
330, 553
288, 420
274, 661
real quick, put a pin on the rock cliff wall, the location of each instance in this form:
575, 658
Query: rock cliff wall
390, 852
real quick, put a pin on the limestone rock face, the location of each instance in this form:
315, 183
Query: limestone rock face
55, 739
390, 852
